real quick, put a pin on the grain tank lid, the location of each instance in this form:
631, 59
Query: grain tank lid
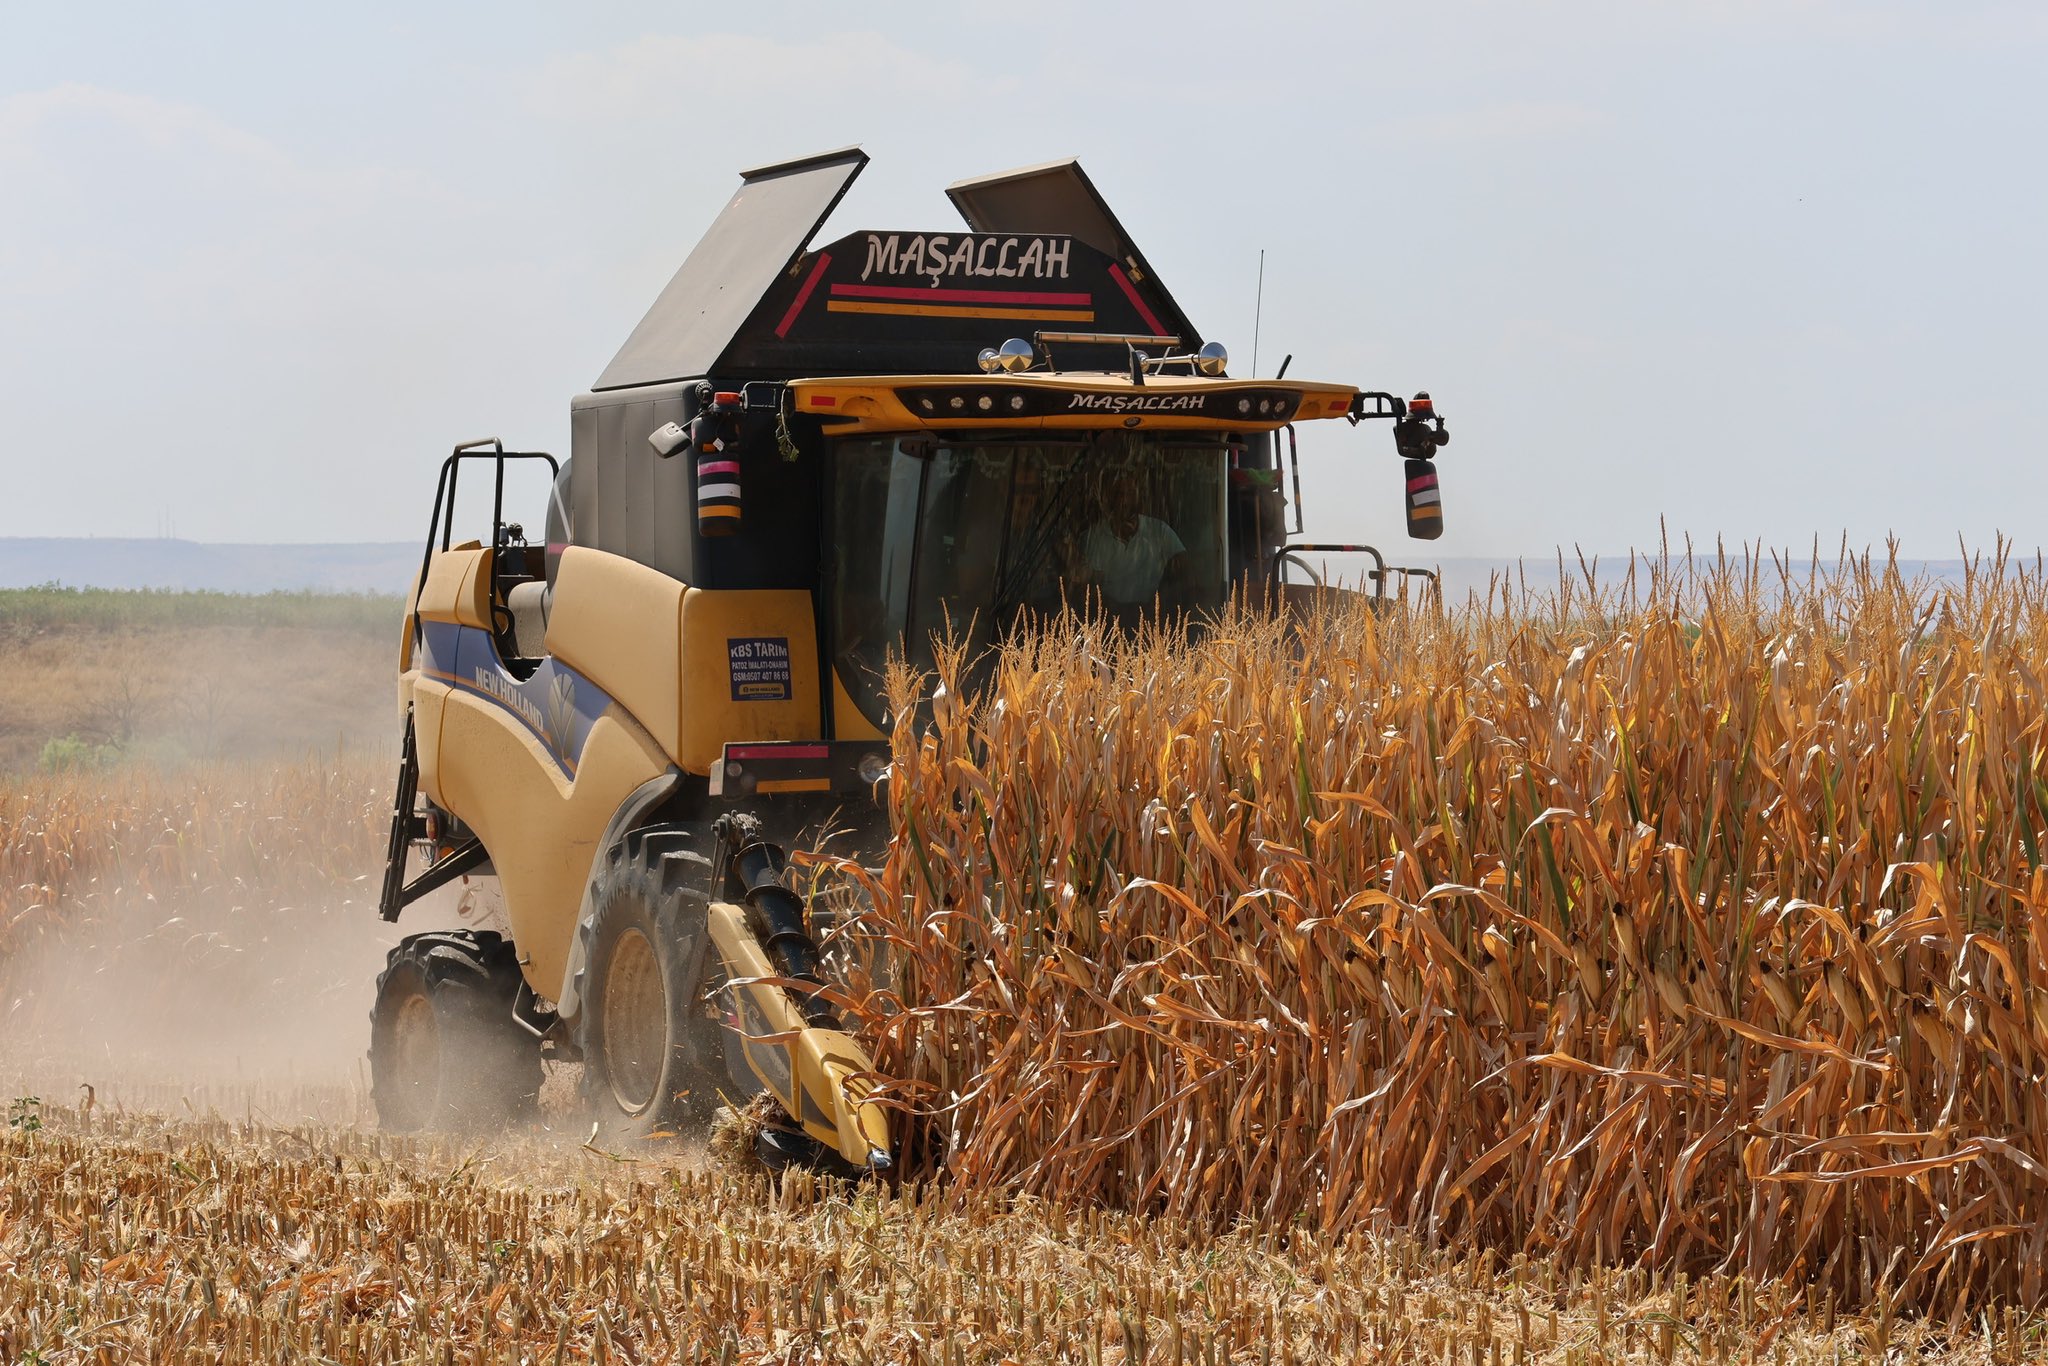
767, 223
1058, 197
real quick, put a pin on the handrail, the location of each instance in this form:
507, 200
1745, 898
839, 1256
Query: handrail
442, 519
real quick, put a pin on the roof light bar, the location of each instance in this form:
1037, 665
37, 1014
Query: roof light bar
1131, 341
1106, 338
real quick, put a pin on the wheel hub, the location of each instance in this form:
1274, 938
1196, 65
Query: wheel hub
416, 1047
636, 1023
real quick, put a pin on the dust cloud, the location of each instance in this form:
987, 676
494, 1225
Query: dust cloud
259, 1010
191, 925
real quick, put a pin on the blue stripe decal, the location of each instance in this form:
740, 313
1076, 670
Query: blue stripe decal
557, 705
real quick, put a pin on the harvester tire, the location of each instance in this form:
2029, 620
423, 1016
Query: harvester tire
651, 1054
445, 1050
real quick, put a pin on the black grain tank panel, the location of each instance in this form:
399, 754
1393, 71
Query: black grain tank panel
896, 303
1058, 197
749, 245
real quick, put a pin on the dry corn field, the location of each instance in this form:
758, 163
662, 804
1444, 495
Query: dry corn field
1641, 974
1699, 922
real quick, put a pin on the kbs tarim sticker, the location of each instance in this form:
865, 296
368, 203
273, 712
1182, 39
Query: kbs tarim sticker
760, 668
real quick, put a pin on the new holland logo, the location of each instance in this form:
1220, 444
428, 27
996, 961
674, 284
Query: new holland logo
562, 712
502, 688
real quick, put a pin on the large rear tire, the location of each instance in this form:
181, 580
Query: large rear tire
445, 1050
651, 1052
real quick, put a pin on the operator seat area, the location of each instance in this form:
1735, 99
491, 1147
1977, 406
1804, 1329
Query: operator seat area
528, 603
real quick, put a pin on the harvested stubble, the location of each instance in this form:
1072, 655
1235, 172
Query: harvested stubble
136, 1239
1696, 924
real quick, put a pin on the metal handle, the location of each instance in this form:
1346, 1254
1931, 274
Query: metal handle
1378, 573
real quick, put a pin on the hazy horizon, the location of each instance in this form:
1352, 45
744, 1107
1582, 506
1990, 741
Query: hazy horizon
387, 567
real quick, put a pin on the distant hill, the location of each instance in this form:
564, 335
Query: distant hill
385, 567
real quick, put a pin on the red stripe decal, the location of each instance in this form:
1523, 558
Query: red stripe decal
778, 751
803, 296
1421, 482
961, 296
1116, 273
718, 467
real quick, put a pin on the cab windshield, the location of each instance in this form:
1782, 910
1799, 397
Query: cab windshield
931, 535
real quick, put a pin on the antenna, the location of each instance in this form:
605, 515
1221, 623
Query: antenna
1258, 307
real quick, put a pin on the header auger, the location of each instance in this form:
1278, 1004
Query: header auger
804, 459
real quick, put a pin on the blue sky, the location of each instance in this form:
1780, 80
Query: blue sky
1763, 271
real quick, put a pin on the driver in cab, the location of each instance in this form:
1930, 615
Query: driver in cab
1127, 554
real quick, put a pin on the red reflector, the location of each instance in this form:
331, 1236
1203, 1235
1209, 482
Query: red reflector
782, 751
824, 401
1337, 405
723, 397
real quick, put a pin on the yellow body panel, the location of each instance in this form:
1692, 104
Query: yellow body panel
818, 1075
406, 630
663, 650
542, 829
458, 587
711, 716
429, 697
619, 624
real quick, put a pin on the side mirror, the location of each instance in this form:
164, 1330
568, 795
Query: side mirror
1418, 435
667, 439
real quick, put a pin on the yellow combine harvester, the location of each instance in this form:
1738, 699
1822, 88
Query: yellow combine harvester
802, 461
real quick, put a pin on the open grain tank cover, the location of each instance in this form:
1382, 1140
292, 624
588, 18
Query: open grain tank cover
1058, 197
751, 242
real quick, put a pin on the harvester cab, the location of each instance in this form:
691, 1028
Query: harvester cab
804, 461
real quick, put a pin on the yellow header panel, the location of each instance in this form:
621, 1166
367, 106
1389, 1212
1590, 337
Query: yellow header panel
1065, 401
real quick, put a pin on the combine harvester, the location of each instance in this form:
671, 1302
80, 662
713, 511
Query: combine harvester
802, 460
